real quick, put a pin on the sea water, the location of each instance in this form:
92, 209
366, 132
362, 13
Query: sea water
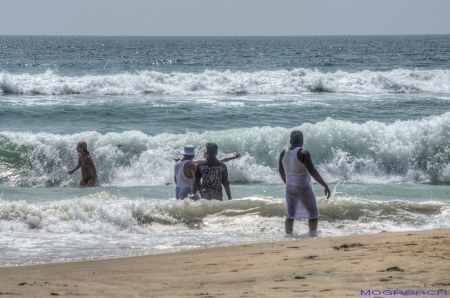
375, 112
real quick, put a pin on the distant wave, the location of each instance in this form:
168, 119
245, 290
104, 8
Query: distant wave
215, 82
372, 152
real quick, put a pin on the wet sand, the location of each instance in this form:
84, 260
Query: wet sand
327, 267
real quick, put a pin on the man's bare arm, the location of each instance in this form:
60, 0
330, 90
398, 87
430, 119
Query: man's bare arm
306, 156
230, 158
281, 168
228, 191
196, 161
197, 187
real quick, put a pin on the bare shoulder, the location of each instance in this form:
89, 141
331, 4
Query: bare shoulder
303, 155
191, 164
304, 152
88, 159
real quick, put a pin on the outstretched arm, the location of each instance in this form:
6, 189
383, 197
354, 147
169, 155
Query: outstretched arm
281, 168
73, 170
76, 168
230, 158
306, 156
177, 159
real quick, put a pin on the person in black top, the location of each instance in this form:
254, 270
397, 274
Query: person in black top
210, 175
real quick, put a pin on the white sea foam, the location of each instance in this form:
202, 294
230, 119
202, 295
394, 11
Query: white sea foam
372, 152
105, 212
212, 82
102, 224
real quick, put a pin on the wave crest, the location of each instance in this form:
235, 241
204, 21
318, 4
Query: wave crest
109, 213
372, 152
215, 82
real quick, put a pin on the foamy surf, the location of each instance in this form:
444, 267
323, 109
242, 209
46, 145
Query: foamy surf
372, 152
373, 110
212, 82
134, 226
106, 212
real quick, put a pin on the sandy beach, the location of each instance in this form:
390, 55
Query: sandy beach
326, 267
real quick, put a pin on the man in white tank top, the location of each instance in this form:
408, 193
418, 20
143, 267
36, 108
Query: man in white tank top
296, 168
184, 173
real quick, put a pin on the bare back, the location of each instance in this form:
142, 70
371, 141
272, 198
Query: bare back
189, 169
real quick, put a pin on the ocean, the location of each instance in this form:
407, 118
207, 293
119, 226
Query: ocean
375, 112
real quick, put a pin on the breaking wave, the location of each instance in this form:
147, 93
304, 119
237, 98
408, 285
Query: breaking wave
372, 152
104, 212
212, 82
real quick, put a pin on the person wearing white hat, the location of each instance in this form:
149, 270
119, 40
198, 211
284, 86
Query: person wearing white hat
184, 173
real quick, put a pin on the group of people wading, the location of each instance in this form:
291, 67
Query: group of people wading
204, 179
196, 179
201, 178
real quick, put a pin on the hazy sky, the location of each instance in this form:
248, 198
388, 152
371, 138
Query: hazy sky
224, 17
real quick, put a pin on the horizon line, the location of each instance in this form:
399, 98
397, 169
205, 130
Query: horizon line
306, 35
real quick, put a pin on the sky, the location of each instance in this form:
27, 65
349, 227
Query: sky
224, 18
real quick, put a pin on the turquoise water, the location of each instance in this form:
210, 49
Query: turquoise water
374, 111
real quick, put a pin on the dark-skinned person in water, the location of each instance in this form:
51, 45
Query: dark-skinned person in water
296, 168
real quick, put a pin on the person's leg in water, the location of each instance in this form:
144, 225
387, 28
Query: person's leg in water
313, 226
289, 226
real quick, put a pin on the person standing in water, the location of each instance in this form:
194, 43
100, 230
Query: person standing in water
85, 162
210, 175
184, 173
296, 168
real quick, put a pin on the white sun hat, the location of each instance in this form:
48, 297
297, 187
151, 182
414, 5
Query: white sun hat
189, 150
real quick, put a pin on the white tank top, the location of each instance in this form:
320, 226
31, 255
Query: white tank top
182, 181
292, 166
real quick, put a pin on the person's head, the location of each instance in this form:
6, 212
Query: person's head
296, 138
211, 150
82, 146
188, 152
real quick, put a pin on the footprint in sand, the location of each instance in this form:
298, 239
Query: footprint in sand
310, 257
345, 246
390, 269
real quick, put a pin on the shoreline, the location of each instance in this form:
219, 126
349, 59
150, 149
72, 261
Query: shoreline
322, 267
